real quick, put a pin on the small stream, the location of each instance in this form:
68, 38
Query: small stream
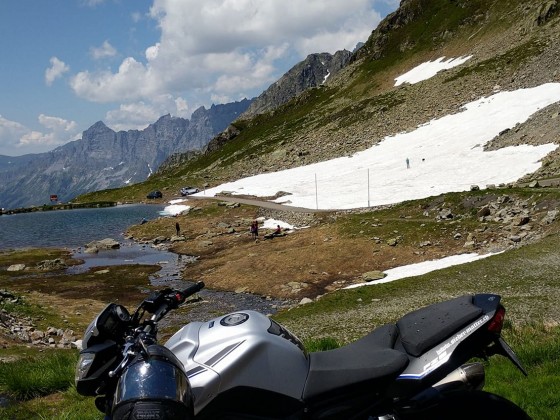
213, 302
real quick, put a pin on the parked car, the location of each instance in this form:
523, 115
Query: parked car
188, 191
154, 194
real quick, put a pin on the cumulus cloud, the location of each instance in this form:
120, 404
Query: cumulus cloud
227, 48
10, 132
105, 50
17, 139
137, 115
58, 131
56, 70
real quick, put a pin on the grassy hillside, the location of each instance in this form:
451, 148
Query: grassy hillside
512, 46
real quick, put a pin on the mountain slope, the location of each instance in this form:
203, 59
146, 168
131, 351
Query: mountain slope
511, 45
314, 71
104, 158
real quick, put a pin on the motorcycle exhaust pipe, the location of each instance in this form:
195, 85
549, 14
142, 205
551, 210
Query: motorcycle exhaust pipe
470, 375
466, 377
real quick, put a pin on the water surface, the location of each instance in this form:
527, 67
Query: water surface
71, 228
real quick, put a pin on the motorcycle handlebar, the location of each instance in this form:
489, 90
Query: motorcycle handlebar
195, 288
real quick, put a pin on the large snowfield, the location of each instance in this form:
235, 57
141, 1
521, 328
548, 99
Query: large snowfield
440, 156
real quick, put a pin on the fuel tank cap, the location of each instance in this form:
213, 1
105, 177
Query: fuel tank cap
234, 319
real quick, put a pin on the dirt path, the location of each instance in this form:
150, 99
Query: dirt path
259, 203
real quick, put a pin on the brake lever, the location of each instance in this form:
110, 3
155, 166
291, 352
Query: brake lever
128, 353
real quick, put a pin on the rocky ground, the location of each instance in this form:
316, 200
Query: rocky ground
322, 255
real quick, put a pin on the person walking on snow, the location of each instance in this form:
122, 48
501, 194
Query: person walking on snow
407, 163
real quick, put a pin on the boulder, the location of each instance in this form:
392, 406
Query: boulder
550, 217
373, 275
445, 214
106, 243
56, 264
16, 267
483, 212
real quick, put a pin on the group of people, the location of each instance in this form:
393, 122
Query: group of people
255, 231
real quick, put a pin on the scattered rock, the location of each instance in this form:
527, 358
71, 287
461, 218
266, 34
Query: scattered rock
56, 264
550, 217
483, 212
392, 242
445, 214
16, 267
23, 329
373, 275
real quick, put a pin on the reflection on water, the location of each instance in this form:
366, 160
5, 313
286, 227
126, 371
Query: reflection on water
133, 253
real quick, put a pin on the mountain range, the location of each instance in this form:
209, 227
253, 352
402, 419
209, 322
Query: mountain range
105, 159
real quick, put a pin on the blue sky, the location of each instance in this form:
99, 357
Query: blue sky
69, 63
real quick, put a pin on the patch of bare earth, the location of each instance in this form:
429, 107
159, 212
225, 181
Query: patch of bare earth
304, 263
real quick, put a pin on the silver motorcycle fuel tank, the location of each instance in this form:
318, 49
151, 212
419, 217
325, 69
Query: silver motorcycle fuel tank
240, 349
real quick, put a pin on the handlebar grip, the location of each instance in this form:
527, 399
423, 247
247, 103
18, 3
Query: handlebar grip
195, 288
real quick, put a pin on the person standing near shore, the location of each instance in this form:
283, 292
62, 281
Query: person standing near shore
178, 228
254, 229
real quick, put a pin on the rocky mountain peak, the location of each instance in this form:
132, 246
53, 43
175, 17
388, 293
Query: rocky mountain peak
314, 71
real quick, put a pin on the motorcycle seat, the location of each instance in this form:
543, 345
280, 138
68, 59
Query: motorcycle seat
424, 328
371, 358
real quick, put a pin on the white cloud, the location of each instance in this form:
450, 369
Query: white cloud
131, 116
10, 132
105, 50
137, 115
17, 139
58, 131
57, 124
56, 70
224, 48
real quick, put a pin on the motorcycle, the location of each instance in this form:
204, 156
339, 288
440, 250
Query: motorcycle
244, 365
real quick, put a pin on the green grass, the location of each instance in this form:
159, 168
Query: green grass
28, 378
539, 350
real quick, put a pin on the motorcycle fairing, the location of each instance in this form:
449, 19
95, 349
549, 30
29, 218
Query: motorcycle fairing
239, 350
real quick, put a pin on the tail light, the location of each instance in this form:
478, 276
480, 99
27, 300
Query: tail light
497, 321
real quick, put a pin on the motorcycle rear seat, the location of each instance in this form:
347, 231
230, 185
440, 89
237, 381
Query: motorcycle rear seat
421, 330
371, 358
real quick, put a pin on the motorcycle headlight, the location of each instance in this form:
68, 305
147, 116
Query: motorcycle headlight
84, 364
